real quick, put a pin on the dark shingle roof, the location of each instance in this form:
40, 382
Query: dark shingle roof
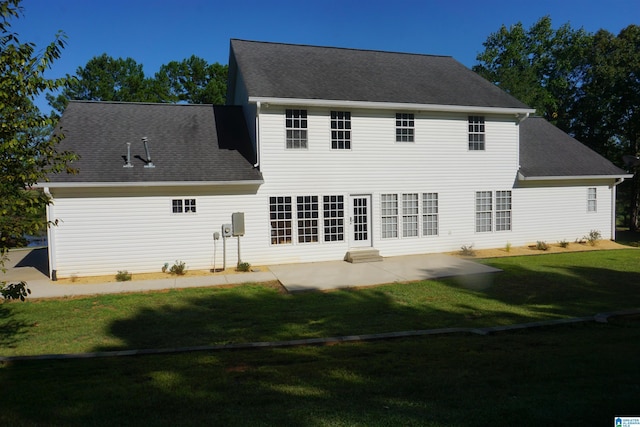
187, 143
312, 72
546, 151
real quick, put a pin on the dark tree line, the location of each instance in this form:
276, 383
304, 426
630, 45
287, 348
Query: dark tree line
588, 84
104, 78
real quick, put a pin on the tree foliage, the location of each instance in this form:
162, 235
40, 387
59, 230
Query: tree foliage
587, 84
27, 156
104, 78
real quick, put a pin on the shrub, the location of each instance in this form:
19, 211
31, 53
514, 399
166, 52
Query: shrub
593, 237
467, 250
563, 244
123, 276
165, 267
179, 268
244, 266
507, 247
541, 245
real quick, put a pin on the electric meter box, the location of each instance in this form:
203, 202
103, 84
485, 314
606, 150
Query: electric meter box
237, 222
226, 230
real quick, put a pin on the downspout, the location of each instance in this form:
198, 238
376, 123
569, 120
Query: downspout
51, 245
257, 131
613, 207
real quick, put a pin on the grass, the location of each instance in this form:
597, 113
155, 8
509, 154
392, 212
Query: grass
566, 375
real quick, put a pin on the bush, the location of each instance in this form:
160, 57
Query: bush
165, 267
593, 237
467, 250
541, 245
563, 244
244, 266
179, 268
507, 247
123, 276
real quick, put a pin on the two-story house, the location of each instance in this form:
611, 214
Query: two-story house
326, 152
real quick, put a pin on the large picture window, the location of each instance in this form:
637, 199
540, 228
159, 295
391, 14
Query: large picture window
296, 128
312, 221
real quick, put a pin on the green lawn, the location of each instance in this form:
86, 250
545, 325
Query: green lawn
576, 375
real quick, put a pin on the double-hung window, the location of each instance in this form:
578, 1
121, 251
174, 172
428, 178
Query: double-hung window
592, 199
484, 211
333, 211
476, 133
503, 210
340, 130
405, 123
410, 215
183, 206
389, 215
296, 128
430, 214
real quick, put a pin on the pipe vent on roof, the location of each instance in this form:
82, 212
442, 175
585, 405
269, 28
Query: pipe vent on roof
128, 163
146, 150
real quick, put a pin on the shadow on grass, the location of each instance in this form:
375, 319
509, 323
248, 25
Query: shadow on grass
10, 329
581, 374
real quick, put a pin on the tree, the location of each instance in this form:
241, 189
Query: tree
26, 156
193, 80
104, 78
540, 66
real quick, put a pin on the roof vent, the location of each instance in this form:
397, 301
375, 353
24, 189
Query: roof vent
146, 150
128, 164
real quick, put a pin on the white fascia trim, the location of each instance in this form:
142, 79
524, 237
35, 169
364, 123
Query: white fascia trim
569, 178
386, 105
146, 184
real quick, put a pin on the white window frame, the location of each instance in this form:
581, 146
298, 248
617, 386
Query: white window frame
405, 127
296, 124
389, 215
477, 133
340, 130
307, 213
333, 216
503, 210
484, 211
592, 199
430, 224
410, 215
281, 220
181, 206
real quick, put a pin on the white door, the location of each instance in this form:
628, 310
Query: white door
360, 220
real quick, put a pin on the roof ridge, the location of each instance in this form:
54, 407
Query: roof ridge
343, 48
169, 104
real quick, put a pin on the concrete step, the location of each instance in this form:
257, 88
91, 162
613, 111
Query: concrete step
363, 255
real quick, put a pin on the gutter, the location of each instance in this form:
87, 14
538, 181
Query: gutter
257, 131
389, 105
51, 241
613, 206
148, 184
521, 177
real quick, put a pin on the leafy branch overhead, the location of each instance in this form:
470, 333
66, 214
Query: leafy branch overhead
27, 152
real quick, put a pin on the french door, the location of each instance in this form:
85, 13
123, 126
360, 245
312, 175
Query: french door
360, 220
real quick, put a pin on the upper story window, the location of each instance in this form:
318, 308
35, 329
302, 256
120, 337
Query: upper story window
296, 128
476, 133
340, 130
404, 127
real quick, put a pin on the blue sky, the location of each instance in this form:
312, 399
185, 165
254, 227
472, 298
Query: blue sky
154, 32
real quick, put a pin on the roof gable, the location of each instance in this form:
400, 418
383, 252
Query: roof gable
187, 143
313, 72
548, 152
